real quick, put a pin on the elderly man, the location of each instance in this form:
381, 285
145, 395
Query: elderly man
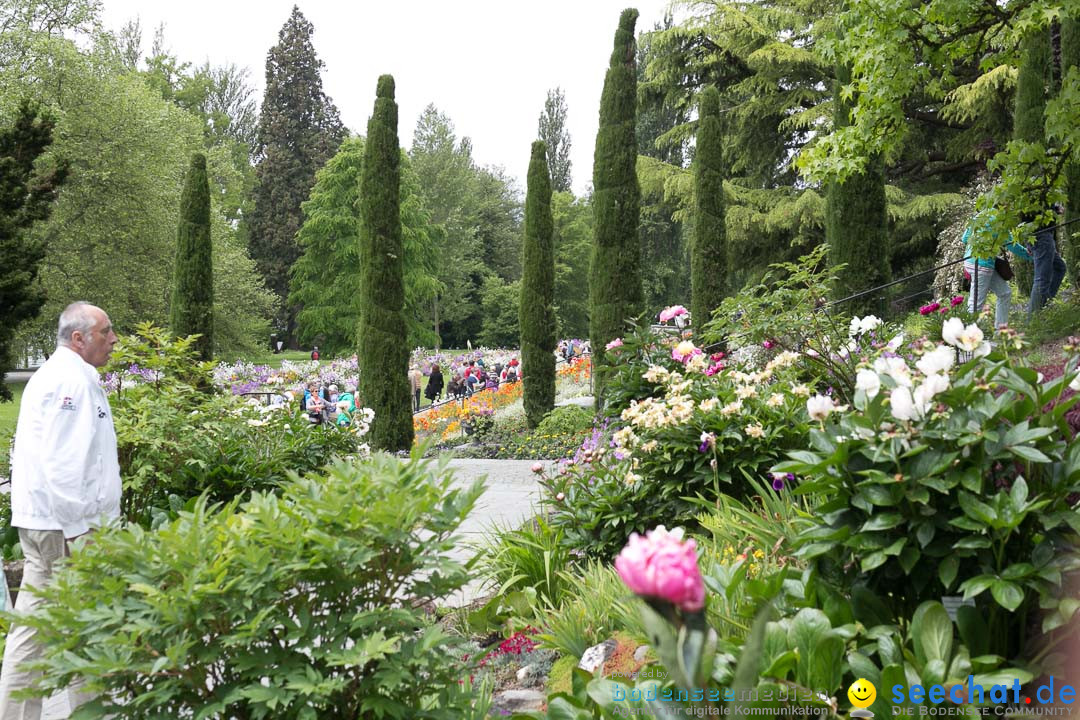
65, 477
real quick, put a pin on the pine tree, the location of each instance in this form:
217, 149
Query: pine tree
192, 309
553, 132
856, 224
708, 260
1070, 58
299, 130
537, 309
26, 196
615, 274
384, 342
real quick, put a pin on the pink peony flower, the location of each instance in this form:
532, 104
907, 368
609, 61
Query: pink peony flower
768, 344
929, 309
714, 368
662, 565
560, 497
957, 300
617, 342
684, 351
671, 312
538, 468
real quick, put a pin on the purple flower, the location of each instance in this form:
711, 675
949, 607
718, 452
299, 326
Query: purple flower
780, 480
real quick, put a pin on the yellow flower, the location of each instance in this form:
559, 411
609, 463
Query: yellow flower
775, 400
755, 430
800, 390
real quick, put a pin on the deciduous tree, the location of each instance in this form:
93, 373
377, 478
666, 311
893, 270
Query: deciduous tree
553, 132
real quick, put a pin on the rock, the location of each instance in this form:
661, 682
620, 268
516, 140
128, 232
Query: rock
526, 671
509, 702
597, 655
640, 653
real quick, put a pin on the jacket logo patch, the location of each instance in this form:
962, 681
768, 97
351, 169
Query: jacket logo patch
67, 404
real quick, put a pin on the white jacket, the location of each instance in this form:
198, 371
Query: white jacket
65, 474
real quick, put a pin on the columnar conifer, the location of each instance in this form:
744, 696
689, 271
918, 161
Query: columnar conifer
537, 309
615, 293
1070, 58
192, 309
856, 223
384, 346
708, 265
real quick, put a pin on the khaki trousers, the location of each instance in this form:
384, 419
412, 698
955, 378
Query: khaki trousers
42, 548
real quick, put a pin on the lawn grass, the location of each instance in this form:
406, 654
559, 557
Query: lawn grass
9, 412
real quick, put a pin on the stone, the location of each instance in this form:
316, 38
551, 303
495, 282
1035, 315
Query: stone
597, 655
640, 653
526, 671
509, 702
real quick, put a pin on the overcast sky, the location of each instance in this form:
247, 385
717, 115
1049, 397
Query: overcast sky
486, 64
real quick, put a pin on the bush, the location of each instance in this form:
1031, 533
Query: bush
305, 604
568, 420
975, 494
531, 558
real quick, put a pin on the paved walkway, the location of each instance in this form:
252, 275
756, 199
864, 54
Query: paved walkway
512, 492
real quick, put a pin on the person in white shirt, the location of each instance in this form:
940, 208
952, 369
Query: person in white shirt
65, 478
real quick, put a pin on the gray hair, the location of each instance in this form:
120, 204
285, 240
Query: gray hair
76, 316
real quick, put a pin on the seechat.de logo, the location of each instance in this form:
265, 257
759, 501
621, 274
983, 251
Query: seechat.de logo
1001, 697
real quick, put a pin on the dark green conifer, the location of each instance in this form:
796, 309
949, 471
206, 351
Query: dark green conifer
537, 309
708, 266
192, 309
1070, 59
856, 224
27, 192
615, 293
384, 342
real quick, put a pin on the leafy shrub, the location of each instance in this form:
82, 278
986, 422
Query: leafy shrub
596, 606
568, 420
177, 440
531, 557
977, 496
304, 604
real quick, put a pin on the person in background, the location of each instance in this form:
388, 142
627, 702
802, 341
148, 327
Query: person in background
988, 278
434, 384
416, 380
315, 353
65, 481
346, 406
1049, 268
313, 403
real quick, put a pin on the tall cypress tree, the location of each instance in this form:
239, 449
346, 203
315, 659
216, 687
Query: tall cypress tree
856, 222
615, 271
299, 130
708, 266
536, 313
384, 341
1070, 58
27, 191
1033, 81
192, 307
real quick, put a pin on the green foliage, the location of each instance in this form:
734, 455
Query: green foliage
299, 131
326, 278
573, 223
552, 131
383, 336
191, 311
537, 308
566, 420
856, 226
708, 259
284, 606
27, 192
175, 442
501, 303
615, 293
973, 498
531, 558
595, 605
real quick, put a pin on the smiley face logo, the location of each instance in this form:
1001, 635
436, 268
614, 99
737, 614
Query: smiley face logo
862, 693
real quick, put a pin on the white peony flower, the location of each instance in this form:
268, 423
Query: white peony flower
971, 338
934, 384
819, 407
863, 325
895, 368
938, 360
1075, 384
709, 404
902, 404
895, 342
950, 331
868, 381
755, 430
